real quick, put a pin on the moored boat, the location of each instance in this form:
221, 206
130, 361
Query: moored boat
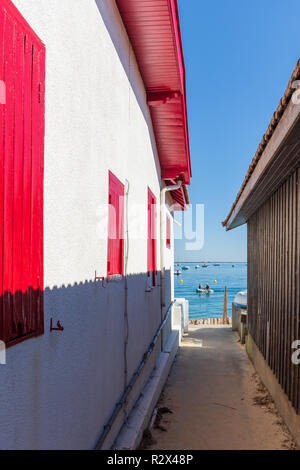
204, 291
240, 299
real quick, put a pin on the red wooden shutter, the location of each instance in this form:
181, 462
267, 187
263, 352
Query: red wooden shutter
22, 69
115, 251
168, 231
151, 235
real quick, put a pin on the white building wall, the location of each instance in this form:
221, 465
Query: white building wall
57, 390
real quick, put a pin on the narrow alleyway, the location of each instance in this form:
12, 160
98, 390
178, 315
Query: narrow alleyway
214, 400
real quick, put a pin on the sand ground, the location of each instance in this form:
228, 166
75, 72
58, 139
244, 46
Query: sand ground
213, 399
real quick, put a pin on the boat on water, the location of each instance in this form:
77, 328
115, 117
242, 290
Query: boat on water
177, 272
204, 265
204, 291
185, 268
197, 266
240, 299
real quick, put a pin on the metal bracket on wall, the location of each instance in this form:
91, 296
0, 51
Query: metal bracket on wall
97, 278
59, 327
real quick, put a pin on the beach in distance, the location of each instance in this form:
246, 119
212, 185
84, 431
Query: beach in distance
233, 275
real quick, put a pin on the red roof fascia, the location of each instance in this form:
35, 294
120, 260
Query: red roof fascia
153, 28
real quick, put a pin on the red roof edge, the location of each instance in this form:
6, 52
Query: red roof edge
153, 28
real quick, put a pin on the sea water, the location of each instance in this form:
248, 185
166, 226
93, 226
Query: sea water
232, 275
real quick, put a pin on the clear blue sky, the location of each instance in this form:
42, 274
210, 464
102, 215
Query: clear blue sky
239, 56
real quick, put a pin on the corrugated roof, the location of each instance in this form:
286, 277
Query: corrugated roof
268, 135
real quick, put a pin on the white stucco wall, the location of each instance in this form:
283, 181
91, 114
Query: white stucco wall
57, 390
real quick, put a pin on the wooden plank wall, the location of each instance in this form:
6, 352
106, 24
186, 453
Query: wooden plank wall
274, 283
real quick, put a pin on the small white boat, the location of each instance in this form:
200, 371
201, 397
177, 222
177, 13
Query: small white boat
204, 291
197, 266
240, 299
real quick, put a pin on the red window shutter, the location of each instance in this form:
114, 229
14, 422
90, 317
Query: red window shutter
115, 251
168, 231
22, 69
151, 235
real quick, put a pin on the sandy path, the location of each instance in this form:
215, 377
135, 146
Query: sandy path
215, 398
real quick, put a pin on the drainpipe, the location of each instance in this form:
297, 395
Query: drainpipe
163, 243
126, 333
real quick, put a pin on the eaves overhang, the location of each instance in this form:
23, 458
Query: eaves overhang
153, 28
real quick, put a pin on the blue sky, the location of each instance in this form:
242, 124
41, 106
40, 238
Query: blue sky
239, 56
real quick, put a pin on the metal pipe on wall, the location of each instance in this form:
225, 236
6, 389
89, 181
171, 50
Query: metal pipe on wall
164, 319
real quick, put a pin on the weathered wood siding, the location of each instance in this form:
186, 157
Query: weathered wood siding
274, 283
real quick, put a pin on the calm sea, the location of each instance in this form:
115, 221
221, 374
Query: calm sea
232, 275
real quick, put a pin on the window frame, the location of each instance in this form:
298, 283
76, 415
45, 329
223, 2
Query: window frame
115, 236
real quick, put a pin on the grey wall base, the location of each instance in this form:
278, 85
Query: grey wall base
281, 400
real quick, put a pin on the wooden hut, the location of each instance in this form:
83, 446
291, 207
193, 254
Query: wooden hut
269, 202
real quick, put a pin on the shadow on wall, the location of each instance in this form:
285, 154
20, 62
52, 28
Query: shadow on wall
107, 11
58, 390
21, 315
